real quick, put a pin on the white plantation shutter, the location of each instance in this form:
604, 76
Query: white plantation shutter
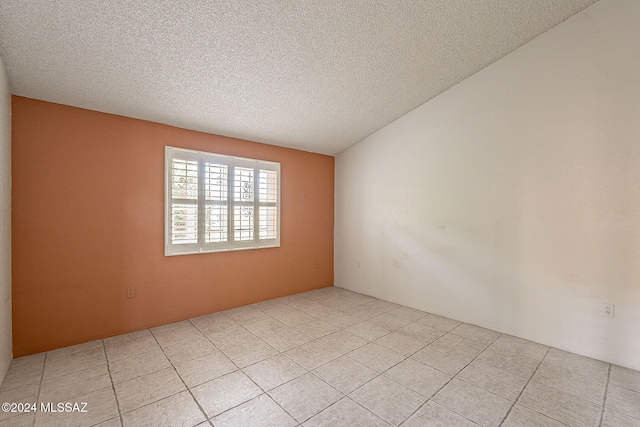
218, 203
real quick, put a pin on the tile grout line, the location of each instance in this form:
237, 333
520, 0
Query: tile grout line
451, 379
239, 369
181, 380
285, 355
113, 385
346, 355
525, 387
604, 400
309, 371
44, 364
344, 395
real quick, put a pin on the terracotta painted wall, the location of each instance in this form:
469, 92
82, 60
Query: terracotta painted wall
88, 214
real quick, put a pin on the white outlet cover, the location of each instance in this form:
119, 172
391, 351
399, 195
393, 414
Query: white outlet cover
609, 310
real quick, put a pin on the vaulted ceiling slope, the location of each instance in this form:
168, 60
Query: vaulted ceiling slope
316, 75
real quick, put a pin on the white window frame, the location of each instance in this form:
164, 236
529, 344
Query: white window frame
231, 162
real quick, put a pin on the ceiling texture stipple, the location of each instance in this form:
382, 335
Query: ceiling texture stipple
315, 75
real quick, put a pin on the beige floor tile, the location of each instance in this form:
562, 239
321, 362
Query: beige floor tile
24, 370
624, 401
248, 353
568, 381
75, 350
286, 340
460, 344
182, 325
442, 359
616, 419
476, 333
342, 341
522, 347
387, 399
274, 372
305, 396
365, 312
624, 377
320, 311
246, 315
434, 415
408, 313
231, 338
509, 362
473, 403
213, 323
294, 317
316, 328
577, 364
340, 304
72, 359
342, 320
21, 420
312, 354
379, 304
259, 412
22, 394
100, 406
419, 331
132, 336
113, 422
367, 330
224, 393
206, 368
33, 362
147, 389
345, 374
18, 377
524, 417
66, 387
274, 307
138, 365
560, 406
418, 377
188, 350
493, 379
376, 357
135, 344
438, 322
181, 331
359, 298
345, 413
401, 343
268, 327
298, 302
390, 321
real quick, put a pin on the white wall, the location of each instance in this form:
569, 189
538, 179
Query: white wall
512, 201
5, 223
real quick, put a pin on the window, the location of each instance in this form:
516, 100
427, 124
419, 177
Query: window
215, 202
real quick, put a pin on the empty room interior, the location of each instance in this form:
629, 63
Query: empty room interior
320, 213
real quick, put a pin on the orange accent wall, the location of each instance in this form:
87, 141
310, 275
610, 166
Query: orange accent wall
88, 212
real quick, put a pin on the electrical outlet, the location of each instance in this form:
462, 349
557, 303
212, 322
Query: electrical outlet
131, 292
358, 265
315, 265
609, 310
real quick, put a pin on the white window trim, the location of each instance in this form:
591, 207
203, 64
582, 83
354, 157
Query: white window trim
231, 162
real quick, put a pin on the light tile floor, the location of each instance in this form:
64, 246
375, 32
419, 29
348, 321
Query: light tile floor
323, 358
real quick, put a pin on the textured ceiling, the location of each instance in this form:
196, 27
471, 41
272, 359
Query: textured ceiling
317, 75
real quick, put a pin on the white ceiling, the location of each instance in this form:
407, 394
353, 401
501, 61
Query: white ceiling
316, 75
